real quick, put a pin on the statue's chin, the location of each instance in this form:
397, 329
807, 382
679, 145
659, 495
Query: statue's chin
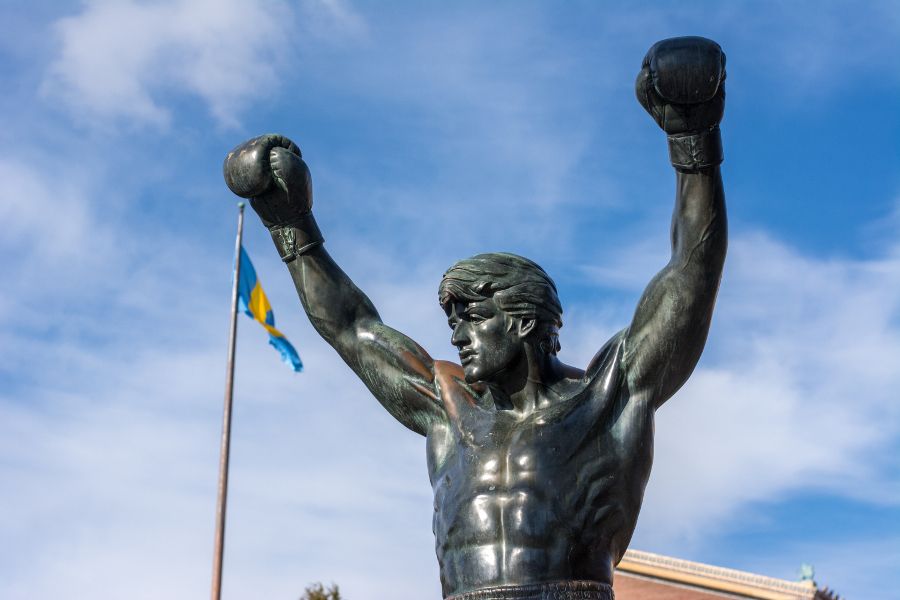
472, 375
482, 376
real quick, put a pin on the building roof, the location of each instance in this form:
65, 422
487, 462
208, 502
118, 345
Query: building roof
648, 576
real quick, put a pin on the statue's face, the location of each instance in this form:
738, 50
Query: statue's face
487, 339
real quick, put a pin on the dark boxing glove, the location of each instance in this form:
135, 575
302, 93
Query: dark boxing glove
681, 85
270, 171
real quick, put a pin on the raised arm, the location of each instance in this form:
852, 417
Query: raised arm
270, 171
681, 86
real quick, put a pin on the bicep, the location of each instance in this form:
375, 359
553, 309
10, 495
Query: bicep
398, 372
666, 338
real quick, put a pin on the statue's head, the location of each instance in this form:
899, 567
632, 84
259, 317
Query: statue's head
496, 305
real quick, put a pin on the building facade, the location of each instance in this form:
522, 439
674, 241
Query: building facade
648, 576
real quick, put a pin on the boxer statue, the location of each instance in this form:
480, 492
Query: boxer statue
538, 468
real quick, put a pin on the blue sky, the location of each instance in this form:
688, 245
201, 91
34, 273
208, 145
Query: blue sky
433, 133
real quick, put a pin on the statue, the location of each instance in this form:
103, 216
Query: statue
538, 468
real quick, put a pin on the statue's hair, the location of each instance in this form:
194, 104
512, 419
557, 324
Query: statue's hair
519, 287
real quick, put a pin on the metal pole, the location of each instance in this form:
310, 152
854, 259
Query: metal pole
226, 418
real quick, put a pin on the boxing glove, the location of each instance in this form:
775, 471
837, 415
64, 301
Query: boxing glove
681, 85
270, 171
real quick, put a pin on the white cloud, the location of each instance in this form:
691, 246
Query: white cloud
31, 197
797, 392
818, 48
326, 20
121, 60
55, 247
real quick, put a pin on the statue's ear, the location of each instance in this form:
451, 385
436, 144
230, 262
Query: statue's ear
526, 326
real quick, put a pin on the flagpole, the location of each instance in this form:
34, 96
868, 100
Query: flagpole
225, 450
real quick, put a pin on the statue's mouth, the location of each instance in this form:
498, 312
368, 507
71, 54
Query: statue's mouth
466, 356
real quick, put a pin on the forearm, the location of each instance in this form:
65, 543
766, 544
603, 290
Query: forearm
699, 224
335, 306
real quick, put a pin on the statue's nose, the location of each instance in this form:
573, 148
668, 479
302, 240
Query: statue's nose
459, 337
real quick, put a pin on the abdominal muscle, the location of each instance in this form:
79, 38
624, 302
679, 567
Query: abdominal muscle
491, 542
491, 534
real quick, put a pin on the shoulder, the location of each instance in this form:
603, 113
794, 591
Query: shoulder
605, 383
609, 359
450, 376
444, 369
452, 388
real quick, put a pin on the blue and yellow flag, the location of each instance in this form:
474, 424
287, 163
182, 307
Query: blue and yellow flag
253, 302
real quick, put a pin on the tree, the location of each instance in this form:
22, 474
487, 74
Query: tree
318, 592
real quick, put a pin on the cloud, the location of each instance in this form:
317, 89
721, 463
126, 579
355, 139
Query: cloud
55, 247
33, 197
818, 50
122, 61
796, 392
325, 20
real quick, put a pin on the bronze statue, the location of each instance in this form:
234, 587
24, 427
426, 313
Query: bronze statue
538, 468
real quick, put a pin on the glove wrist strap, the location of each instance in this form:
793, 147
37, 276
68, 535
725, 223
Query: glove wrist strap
297, 237
691, 152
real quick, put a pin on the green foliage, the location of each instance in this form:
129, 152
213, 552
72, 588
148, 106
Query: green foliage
318, 592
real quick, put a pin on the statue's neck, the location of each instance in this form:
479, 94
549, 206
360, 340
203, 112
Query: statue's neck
526, 386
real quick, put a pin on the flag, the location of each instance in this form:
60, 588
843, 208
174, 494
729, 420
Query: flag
253, 302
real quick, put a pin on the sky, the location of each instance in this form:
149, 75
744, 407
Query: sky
434, 131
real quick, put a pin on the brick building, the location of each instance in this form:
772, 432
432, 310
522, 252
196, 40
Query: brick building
647, 576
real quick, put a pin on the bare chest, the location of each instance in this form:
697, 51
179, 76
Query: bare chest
501, 453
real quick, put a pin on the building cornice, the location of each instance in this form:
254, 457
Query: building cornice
714, 578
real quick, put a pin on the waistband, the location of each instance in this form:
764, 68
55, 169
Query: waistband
557, 590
